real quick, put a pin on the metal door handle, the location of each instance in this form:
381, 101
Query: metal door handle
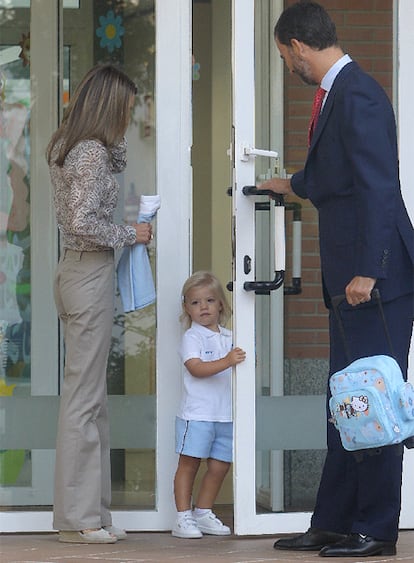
265, 287
251, 151
252, 190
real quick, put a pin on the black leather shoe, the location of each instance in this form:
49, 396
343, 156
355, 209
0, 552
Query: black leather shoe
357, 545
312, 540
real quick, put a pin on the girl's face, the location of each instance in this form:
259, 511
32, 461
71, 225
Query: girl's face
204, 308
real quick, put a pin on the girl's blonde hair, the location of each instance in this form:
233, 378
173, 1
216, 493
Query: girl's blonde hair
204, 279
99, 109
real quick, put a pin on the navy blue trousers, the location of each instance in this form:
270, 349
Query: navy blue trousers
362, 493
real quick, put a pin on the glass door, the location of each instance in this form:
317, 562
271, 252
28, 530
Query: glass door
28, 378
60, 41
279, 428
279, 392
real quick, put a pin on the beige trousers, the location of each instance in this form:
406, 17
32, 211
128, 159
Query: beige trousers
84, 296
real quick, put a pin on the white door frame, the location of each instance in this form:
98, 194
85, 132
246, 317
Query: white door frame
174, 181
246, 519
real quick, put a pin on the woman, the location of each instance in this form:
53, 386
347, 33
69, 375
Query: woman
83, 154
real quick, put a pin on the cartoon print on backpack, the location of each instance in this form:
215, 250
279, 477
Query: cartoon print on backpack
354, 406
359, 405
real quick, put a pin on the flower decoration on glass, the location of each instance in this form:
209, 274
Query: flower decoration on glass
111, 31
196, 70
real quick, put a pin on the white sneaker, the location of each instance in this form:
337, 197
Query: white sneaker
86, 536
208, 523
186, 527
117, 532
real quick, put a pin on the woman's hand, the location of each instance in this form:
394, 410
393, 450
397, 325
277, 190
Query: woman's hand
143, 233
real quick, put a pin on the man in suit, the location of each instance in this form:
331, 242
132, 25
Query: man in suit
366, 240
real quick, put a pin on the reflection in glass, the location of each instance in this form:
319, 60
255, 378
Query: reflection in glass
15, 468
133, 478
286, 480
15, 290
15, 305
15, 236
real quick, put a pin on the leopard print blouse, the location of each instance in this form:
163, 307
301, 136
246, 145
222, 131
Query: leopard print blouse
86, 194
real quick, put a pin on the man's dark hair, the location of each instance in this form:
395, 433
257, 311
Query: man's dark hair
309, 23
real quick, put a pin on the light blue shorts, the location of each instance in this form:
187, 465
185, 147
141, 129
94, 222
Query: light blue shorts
198, 438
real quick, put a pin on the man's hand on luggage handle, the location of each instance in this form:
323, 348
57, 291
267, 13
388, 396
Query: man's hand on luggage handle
359, 290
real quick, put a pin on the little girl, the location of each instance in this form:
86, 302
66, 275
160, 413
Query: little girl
204, 427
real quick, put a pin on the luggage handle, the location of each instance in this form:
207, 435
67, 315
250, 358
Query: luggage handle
337, 300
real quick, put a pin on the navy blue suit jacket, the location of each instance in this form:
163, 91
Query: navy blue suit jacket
351, 176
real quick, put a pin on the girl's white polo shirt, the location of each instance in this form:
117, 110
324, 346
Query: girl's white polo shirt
206, 398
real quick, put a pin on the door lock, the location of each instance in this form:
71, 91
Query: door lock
247, 264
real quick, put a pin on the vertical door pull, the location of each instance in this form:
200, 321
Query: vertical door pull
265, 287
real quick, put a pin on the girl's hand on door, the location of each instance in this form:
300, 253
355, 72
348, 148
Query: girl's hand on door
236, 356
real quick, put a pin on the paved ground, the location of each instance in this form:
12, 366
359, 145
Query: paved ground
162, 547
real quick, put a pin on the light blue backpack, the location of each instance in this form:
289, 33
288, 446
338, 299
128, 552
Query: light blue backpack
371, 404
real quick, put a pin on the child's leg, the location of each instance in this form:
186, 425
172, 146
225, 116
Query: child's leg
211, 483
185, 526
207, 522
184, 481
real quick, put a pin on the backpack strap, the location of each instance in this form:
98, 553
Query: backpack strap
337, 300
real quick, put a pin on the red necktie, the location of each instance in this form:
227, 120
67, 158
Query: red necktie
316, 110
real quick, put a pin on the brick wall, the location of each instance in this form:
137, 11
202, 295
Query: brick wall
364, 30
